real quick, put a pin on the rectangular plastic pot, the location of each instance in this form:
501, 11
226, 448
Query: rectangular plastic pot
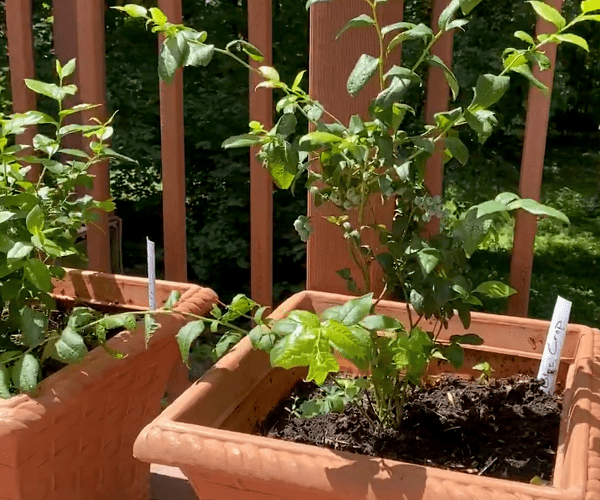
207, 431
73, 439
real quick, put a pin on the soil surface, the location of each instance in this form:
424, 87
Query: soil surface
506, 429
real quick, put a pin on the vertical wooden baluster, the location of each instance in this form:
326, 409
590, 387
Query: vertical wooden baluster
21, 64
530, 184
173, 164
91, 75
331, 62
261, 187
438, 94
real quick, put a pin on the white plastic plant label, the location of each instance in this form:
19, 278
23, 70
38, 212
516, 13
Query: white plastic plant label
554, 344
150, 251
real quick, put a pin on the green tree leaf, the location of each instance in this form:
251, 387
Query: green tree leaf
33, 327
4, 382
351, 312
198, 54
19, 251
150, 327
50, 89
365, 68
174, 297
316, 140
536, 208
379, 322
187, 334
353, 343
488, 90
549, 13
70, 348
467, 339
242, 141
358, 22
574, 39
455, 354
589, 6
434, 60
133, 10
38, 274
173, 53
457, 149
495, 289
35, 220
25, 373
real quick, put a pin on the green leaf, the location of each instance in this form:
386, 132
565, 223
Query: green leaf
379, 322
314, 111
50, 89
133, 10
4, 216
434, 60
353, 343
358, 22
455, 354
242, 141
38, 274
35, 220
574, 39
467, 339
269, 73
526, 37
488, 90
25, 373
226, 342
150, 327
70, 348
33, 327
525, 70
495, 289
158, 16
68, 69
448, 14
549, 13
174, 297
316, 140
352, 312
298, 79
482, 121
262, 338
428, 258
311, 2
187, 334
4, 382
19, 251
457, 149
365, 68
396, 26
172, 55
198, 54
239, 306
286, 125
490, 207
420, 31
393, 93
468, 5
536, 208
122, 320
589, 6
251, 50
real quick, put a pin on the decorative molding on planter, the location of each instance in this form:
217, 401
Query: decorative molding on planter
199, 432
73, 439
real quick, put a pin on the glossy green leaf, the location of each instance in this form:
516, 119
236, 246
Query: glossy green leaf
396, 26
173, 298
4, 216
495, 289
38, 274
352, 312
4, 382
50, 89
574, 39
455, 354
70, 348
187, 334
242, 141
467, 339
133, 10
365, 68
434, 60
25, 373
198, 54
379, 322
172, 55
353, 343
33, 327
448, 14
489, 90
482, 122
316, 140
521, 35
150, 327
19, 251
590, 6
548, 13
468, 5
358, 22
457, 149
536, 208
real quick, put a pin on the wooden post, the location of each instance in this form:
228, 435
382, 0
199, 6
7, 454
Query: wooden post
91, 77
331, 63
173, 164
530, 184
438, 94
261, 186
21, 62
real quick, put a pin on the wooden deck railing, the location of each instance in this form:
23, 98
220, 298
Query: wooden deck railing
79, 32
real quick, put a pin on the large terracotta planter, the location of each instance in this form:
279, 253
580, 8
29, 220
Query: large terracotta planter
73, 440
206, 432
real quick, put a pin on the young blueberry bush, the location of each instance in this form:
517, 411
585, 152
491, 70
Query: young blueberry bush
354, 166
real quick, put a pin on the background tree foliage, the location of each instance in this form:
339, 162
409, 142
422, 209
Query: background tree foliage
218, 181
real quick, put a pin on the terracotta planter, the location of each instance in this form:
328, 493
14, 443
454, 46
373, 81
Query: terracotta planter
206, 432
73, 440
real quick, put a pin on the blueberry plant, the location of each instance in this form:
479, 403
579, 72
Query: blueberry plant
40, 217
354, 165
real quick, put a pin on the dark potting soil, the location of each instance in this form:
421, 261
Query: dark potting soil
506, 429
